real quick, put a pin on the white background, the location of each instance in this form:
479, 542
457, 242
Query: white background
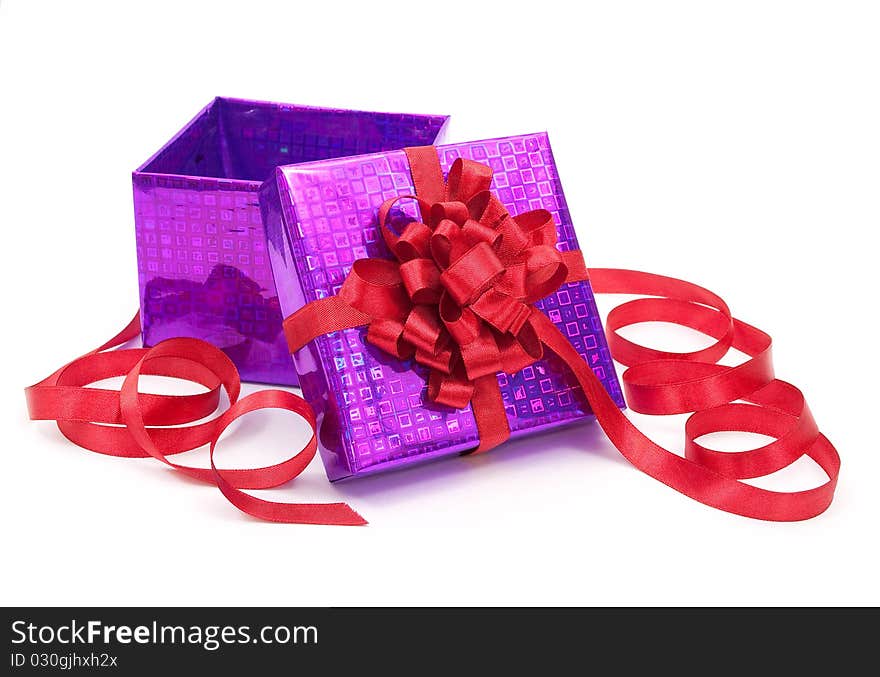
733, 144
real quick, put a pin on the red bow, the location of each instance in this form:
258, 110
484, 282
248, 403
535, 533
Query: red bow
459, 295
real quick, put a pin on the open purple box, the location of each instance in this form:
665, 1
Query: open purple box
322, 216
203, 266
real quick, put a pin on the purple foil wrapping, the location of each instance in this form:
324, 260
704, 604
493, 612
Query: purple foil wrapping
203, 265
322, 216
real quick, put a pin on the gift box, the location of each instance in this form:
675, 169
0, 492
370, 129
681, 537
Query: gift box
203, 267
322, 216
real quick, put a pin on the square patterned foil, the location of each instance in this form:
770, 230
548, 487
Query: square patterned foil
322, 216
203, 265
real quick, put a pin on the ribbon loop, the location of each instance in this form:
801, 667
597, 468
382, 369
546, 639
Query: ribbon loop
538, 225
451, 391
462, 323
421, 277
466, 179
456, 211
473, 272
374, 287
388, 336
486, 208
413, 242
423, 330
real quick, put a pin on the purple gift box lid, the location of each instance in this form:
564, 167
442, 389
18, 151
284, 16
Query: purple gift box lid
322, 216
203, 267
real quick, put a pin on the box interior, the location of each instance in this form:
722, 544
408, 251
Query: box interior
246, 140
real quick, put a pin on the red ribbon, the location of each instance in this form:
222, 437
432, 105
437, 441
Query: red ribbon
458, 299
116, 422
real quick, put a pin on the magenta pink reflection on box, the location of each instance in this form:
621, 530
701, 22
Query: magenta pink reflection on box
321, 216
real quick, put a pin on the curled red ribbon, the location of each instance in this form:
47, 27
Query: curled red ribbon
458, 299
131, 424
